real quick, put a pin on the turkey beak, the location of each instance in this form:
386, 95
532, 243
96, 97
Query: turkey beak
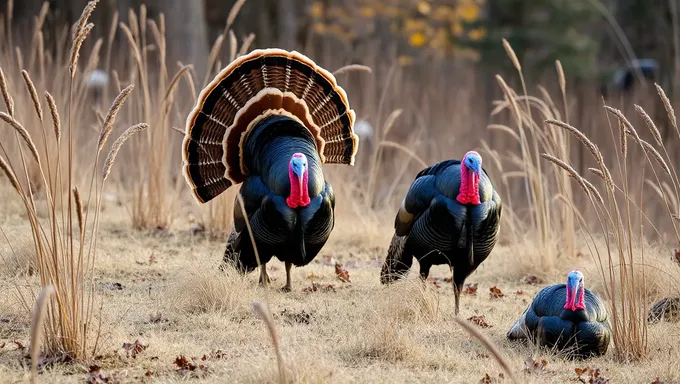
300, 172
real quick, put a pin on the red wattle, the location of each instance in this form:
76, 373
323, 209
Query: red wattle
567, 305
469, 186
581, 304
298, 198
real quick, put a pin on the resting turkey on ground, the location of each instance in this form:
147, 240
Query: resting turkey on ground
450, 215
269, 120
567, 317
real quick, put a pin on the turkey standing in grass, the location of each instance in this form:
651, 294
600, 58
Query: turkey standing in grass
450, 215
567, 317
269, 120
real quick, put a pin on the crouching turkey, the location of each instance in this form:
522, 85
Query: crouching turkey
567, 317
269, 120
450, 215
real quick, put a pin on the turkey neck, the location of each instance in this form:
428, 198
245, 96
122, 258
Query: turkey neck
269, 147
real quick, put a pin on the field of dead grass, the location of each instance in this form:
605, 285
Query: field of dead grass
169, 314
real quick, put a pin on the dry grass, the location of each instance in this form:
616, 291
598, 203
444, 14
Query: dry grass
164, 288
178, 303
64, 241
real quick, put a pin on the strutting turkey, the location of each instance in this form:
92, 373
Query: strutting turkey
450, 215
567, 317
269, 120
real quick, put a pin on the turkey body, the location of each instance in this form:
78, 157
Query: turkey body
580, 333
269, 121
435, 228
293, 235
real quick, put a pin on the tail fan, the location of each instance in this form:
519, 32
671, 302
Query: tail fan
263, 83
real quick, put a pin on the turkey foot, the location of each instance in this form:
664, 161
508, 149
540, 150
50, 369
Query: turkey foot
287, 287
264, 278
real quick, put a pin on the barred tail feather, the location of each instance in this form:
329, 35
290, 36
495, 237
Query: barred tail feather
397, 263
263, 83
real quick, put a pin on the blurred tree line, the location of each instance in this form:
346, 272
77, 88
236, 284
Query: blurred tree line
592, 38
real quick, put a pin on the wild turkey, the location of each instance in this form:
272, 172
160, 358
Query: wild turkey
567, 317
450, 215
269, 120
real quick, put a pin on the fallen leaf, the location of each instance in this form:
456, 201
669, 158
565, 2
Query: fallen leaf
677, 257
318, 287
185, 366
133, 349
534, 366
480, 321
341, 273
488, 379
594, 376
96, 376
531, 280
519, 293
436, 284
148, 374
470, 289
19, 344
495, 293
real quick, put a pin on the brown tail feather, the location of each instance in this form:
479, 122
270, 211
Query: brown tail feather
262, 83
397, 262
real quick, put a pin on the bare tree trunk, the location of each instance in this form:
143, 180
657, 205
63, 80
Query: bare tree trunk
287, 26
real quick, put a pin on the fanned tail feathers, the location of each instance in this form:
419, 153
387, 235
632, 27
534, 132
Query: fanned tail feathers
263, 83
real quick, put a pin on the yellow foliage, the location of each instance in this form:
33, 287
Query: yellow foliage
424, 7
468, 12
405, 60
477, 34
317, 9
417, 39
367, 12
424, 24
457, 29
413, 25
319, 28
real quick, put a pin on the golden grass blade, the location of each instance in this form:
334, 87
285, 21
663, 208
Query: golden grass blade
36, 327
9, 102
233, 13
352, 67
23, 133
34, 94
511, 55
650, 124
110, 119
79, 210
246, 44
489, 346
10, 175
667, 105
56, 121
233, 46
389, 122
118, 144
262, 310
75, 48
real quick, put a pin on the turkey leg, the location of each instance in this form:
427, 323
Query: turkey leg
457, 288
287, 287
264, 278
424, 273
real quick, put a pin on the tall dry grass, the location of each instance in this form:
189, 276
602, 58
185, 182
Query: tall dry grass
548, 195
65, 240
622, 260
